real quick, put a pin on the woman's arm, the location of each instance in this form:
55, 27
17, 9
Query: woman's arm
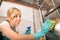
9, 33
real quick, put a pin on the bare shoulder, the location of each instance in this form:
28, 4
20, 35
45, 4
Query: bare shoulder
4, 24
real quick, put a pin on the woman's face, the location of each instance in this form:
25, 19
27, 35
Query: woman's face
15, 18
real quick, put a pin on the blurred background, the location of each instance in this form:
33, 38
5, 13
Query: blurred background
33, 12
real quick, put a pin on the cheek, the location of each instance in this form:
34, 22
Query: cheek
17, 21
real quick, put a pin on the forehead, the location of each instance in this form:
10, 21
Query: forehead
16, 12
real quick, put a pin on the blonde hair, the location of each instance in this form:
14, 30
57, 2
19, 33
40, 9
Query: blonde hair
11, 10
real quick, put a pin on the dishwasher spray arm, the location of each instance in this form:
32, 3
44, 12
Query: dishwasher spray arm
51, 10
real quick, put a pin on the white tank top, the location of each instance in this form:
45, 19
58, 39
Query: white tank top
5, 24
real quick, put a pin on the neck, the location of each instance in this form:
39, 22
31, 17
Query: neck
11, 24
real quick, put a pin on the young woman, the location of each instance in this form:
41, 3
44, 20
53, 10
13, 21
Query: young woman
13, 19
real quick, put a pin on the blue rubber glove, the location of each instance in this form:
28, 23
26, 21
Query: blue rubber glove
45, 28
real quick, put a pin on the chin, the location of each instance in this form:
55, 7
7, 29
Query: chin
17, 23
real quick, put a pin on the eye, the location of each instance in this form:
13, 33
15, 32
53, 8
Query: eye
15, 16
19, 16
